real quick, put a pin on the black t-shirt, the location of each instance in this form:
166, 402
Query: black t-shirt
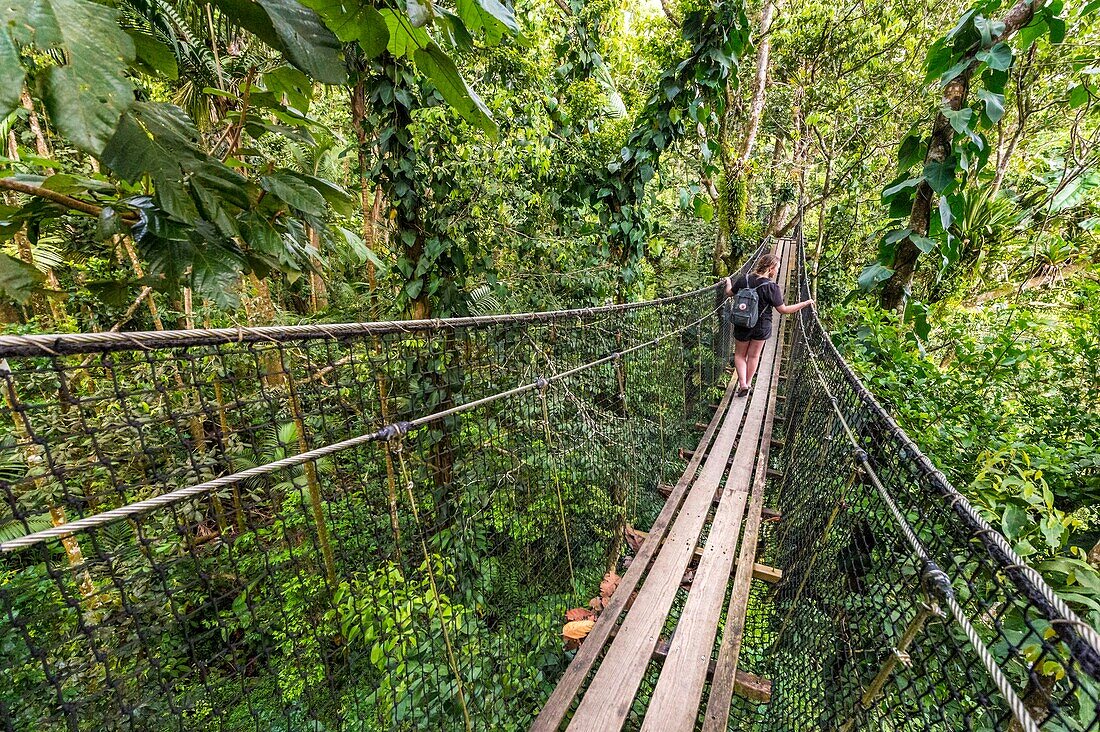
767, 291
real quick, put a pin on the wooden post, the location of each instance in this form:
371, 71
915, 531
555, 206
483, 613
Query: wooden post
312, 481
897, 654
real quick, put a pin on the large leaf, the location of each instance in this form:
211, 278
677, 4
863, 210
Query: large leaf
999, 57
873, 275
491, 17
354, 20
293, 29
405, 38
88, 93
295, 192
994, 105
939, 175
153, 57
441, 70
17, 278
160, 141
11, 75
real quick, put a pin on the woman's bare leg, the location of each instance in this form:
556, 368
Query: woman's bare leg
740, 362
752, 359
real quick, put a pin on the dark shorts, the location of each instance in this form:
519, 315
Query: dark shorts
762, 331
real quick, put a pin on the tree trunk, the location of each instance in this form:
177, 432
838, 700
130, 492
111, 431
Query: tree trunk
896, 289
318, 292
41, 145
734, 186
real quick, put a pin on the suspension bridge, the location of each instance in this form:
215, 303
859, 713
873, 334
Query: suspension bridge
545, 521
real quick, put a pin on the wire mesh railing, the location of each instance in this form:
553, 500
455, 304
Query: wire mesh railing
342, 527
900, 607
380, 527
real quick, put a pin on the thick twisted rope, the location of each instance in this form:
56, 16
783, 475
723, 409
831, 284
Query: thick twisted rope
384, 434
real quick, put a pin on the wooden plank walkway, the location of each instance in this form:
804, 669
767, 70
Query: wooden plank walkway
734, 445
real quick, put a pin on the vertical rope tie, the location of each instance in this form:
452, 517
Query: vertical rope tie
397, 448
543, 387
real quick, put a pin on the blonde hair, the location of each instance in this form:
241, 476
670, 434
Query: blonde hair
765, 264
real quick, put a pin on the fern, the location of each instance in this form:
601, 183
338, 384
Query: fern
482, 301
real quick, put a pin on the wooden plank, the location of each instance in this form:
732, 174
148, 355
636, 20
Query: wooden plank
674, 705
689, 454
761, 572
750, 686
769, 514
607, 701
560, 700
716, 718
745, 684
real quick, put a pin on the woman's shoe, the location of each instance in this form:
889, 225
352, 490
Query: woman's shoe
743, 391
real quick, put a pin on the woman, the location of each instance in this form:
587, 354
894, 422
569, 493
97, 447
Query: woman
750, 341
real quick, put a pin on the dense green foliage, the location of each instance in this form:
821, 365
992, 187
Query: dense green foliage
173, 164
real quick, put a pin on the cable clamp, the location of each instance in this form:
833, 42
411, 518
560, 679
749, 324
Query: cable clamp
392, 431
860, 454
542, 384
935, 581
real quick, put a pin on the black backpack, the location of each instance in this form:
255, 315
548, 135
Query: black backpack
745, 309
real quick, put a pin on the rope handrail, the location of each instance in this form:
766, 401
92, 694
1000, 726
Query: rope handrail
67, 344
1082, 638
386, 433
392, 525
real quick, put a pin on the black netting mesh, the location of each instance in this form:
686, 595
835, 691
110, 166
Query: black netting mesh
414, 580
470, 481
854, 588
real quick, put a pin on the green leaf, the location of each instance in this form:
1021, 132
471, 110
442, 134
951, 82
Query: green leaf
952, 73
441, 70
916, 314
11, 75
354, 21
947, 217
1078, 96
1013, 521
1057, 28
290, 83
994, 105
293, 29
911, 152
88, 93
488, 16
959, 118
1032, 32
17, 278
160, 141
703, 208
939, 175
215, 274
893, 190
153, 57
295, 192
340, 200
405, 39
999, 57
923, 243
873, 275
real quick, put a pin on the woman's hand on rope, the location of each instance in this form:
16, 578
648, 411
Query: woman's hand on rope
792, 309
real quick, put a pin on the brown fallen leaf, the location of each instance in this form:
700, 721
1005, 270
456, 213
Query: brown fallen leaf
689, 577
633, 539
596, 604
576, 631
627, 561
579, 613
609, 585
